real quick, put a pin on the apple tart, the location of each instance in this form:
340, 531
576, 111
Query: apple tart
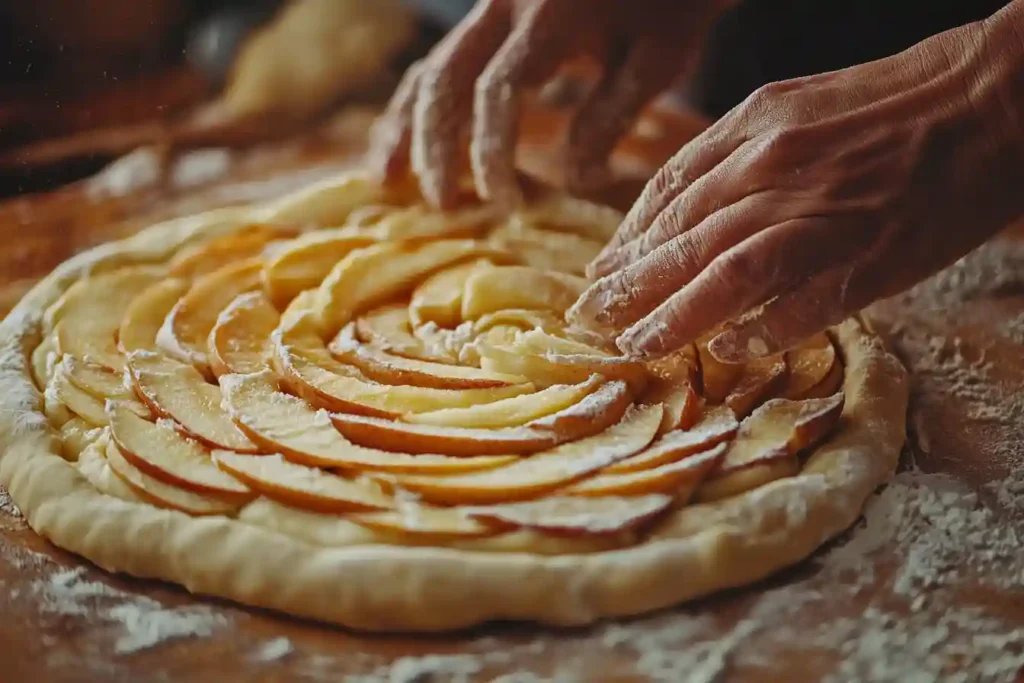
343, 405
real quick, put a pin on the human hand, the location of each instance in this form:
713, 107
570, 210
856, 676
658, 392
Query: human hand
474, 79
818, 196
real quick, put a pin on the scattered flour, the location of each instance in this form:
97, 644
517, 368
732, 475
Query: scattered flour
274, 650
1013, 329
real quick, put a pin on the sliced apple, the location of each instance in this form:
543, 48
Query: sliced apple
748, 479
520, 318
240, 339
187, 328
504, 287
418, 223
681, 401
680, 366
162, 452
716, 426
510, 412
303, 487
759, 380
677, 479
574, 516
178, 392
284, 423
388, 369
378, 273
438, 299
206, 257
540, 341
89, 314
145, 315
593, 414
308, 370
44, 357
543, 472
76, 435
306, 261
62, 391
389, 329
718, 379
92, 464
546, 370
563, 213
326, 202
424, 524
813, 366
547, 249
777, 431
161, 494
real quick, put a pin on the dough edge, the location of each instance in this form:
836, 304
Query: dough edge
695, 551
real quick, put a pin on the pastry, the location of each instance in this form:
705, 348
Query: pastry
342, 405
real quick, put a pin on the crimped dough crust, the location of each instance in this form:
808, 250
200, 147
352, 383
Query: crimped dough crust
695, 551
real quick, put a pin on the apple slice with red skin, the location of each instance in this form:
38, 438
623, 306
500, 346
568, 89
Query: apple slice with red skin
770, 439
594, 413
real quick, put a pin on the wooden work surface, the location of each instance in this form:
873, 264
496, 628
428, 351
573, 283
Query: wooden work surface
930, 585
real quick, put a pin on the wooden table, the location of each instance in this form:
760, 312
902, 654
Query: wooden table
930, 588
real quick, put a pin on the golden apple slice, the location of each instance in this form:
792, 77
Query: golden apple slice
573, 516
308, 370
145, 315
747, 479
717, 426
546, 370
681, 366
283, 423
594, 413
306, 261
186, 330
438, 299
163, 453
547, 249
759, 380
378, 273
240, 339
44, 358
678, 479
813, 366
504, 287
76, 435
303, 487
511, 412
161, 494
326, 202
563, 213
543, 342
388, 369
92, 464
521, 319
543, 472
102, 384
777, 431
682, 404
90, 314
718, 378
388, 328
422, 523
177, 391
419, 223
206, 257
62, 391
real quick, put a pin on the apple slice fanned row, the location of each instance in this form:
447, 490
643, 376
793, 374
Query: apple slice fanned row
596, 412
286, 424
768, 443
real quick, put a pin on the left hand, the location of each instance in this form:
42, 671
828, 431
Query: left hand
816, 197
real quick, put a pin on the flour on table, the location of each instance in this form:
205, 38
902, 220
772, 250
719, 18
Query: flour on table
274, 650
135, 622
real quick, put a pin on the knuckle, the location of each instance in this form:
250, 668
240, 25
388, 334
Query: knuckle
735, 266
684, 253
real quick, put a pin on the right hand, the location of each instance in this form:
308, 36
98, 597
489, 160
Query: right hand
472, 82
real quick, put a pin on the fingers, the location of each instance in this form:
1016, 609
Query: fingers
766, 265
696, 158
624, 297
388, 157
648, 68
784, 322
529, 56
443, 103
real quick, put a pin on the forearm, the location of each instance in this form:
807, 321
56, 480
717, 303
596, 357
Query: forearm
1000, 92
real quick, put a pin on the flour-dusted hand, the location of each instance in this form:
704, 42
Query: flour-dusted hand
473, 80
818, 196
